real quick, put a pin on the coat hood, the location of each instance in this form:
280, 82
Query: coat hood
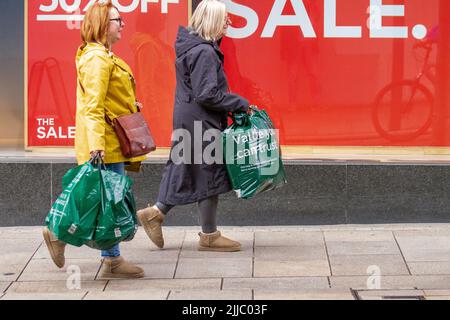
187, 40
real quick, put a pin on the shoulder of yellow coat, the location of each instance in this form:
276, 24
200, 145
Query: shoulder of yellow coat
94, 51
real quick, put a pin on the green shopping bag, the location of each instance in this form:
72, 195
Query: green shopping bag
73, 216
117, 219
252, 154
96, 208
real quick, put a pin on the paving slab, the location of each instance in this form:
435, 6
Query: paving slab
128, 295
45, 270
422, 231
432, 282
14, 256
391, 282
291, 268
438, 298
358, 236
30, 233
210, 295
430, 268
286, 283
17, 251
4, 286
11, 272
300, 253
424, 246
437, 292
214, 268
366, 264
287, 238
56, 287
44, 296
168, 284
362, 247
19, 245
311, 294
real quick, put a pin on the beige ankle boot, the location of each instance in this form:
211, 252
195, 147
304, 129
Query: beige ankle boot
216, 242
55, 247
151, 219
118, 268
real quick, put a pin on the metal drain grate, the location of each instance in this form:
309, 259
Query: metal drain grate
403, 298
383, 295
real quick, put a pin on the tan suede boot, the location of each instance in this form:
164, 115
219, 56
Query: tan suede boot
118, 268
151, 219
55, 248
216, 242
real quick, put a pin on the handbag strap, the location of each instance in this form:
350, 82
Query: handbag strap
111, 122
108, 120
118, 62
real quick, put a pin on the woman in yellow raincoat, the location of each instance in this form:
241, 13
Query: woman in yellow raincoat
105, 87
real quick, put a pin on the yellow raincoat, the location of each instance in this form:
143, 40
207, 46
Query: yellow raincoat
105, 84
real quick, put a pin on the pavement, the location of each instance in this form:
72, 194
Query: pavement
346, 262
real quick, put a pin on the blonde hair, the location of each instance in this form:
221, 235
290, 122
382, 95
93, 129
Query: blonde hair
95, 25
208, 19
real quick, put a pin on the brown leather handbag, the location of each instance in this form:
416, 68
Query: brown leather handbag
133, 133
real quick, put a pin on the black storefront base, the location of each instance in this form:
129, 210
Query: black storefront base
318, 193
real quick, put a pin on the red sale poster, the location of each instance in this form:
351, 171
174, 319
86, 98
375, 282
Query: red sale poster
328, 72
345, 73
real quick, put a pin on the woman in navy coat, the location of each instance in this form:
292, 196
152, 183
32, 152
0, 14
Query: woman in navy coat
202, 104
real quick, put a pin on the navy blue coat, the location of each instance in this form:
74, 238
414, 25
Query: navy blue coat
202, 94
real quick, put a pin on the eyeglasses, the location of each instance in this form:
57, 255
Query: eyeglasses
119, 20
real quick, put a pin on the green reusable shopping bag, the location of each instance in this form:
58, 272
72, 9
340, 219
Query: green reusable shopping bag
96, 208
73, 216
116, 220
252, 154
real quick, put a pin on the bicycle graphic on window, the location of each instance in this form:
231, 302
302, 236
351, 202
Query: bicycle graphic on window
403, 110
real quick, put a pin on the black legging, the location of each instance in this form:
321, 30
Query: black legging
207, 209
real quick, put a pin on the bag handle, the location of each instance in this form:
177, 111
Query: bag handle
98, 161
242, 118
